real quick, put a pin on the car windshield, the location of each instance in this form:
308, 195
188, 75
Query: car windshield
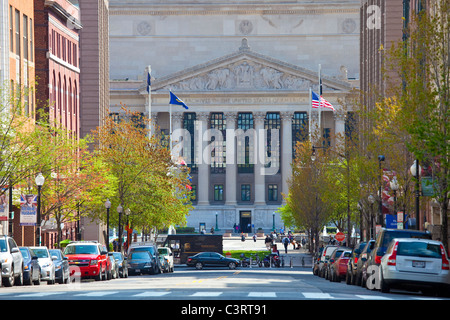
150, 249
139, 255
117, 255
81, 249
3, 247
55, 253
388, 236
347, 254
419, 249
25, 253
162, 250
41, 253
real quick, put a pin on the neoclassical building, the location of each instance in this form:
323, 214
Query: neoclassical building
245, 71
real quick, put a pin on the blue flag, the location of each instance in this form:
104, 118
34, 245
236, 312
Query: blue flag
149, 83
175, 100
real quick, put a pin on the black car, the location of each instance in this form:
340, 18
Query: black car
361, 265
62, 271
154, 255
350, 277
140, 262
122, 262
211, 259
31, 268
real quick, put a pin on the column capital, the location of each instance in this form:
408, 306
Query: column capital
230, 116
202, 116
177, 116
286, 115
259, 116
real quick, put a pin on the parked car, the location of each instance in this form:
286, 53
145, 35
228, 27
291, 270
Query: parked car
211, 259
140, 261
46, 263
88, 259
12, 262
316, 260
62, 269
164, 263
361, 266
122, 263
167, 254
150, 248
325, 256
350, 276
338, 265
415, 264
31, 268
114, 266
333, 257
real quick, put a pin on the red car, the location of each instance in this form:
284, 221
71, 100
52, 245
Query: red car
88, 259
338, 267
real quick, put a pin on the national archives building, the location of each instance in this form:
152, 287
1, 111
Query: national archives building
245, 70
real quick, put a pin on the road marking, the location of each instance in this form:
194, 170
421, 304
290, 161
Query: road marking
317, 295
37, 295
97, 293
262, 295
151, 294
369, 297
206, 294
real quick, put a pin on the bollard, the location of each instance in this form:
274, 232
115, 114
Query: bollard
290, 263
303, 261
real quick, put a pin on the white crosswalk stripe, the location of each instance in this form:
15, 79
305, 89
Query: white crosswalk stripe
97, 294
316, 295
262, 295
152, 294
206, 294
37, 295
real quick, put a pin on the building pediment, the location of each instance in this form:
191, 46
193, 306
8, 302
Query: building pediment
246, 70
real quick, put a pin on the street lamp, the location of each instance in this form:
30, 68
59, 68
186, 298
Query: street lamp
127, 213
415, 171
107, 206
371, 200
380, 207
39, 182
120, 210
394, 187
217, 225
273, 221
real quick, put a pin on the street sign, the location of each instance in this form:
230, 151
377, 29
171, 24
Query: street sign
340, 236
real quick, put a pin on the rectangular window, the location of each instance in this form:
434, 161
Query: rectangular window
17, 24
245, 122
300, 128
25, 36
189, 119
272, 122
31, 41
272, 194
218, 155
11, 29
218, 192
194, 193
245, 192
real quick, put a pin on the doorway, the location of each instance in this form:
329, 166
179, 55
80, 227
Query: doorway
245, 221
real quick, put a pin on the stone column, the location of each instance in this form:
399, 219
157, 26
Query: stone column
203, 167
177, 150
153, 122
339, 118
231, 161
286, 151
260, 185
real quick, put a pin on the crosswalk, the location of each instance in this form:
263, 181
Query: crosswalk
181, 294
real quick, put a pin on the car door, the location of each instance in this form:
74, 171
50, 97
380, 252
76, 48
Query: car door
216, 259
16, 255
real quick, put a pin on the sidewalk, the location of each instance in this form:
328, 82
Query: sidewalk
294, 258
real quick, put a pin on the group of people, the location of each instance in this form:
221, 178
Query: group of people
286, 240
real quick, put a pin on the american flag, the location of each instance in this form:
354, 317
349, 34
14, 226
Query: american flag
323, 103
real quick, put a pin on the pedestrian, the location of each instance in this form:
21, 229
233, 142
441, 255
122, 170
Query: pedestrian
254, 237
286, 243
268, 242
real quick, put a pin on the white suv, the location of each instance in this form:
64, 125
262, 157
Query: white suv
11, 261
168, 255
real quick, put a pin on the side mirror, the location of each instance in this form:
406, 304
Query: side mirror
54, 258
15, 250
103, 252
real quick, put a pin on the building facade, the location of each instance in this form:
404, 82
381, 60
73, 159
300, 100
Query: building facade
245, 71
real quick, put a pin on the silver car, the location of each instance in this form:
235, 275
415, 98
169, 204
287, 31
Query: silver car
46, 263
11, 262
412, 263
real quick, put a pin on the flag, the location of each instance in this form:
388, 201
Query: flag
323, 103
315, 99
175, 100
149, 83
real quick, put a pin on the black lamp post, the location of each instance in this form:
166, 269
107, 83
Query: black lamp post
380, 207
107, 206
415, 171
120, 210
39, 182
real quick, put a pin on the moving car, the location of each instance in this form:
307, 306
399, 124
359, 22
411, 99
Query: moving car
46, 264
88, 259
11, 261
140, 262
62, 269
415, 264
211, 259
31, 268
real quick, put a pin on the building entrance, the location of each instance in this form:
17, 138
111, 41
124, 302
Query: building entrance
245, 221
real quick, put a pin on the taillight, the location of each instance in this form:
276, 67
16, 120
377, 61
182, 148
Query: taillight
445, 263
378, 259
392, 260
355, 260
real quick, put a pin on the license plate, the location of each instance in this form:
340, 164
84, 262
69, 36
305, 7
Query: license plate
418, 264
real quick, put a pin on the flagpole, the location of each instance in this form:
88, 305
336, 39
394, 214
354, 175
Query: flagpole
170, 127
310, 114
320, 102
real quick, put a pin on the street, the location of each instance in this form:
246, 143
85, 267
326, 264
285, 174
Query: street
292, 282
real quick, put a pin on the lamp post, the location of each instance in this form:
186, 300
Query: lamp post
39, 182
107, 206
127, 213
273, 221
120, 210
360, 209
415, 171
371, 200
380, 207
394, 187
217, 225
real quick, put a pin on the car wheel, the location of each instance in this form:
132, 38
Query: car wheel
199, 266
99, 276
19, 279
232, 265
9, 281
